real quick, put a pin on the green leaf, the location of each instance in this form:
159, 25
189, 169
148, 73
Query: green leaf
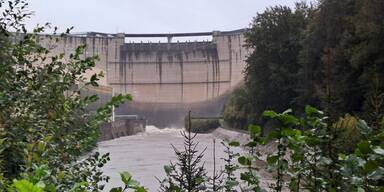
116, 189
287, 111
270, 114
234, 144
48, 138
244, 161
273, 135
2, 141
289, 119
364, 128
244, 176
41, 146
342, 157
42, 171
297, 157
40, 184
370, 166
379, 137
272, 160
310, 111
26, 186
133, 184
254, 130
140, 189
364, 147
290, 132
125, 177
251, 144
377, 174
94, 77
379, 150
231, 183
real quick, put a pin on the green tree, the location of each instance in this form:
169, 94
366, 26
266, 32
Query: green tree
341, 62
44, 123
187, 174
328, 79
367, 54
274, 37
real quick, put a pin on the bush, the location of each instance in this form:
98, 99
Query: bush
44, 124
307, 156
237, 110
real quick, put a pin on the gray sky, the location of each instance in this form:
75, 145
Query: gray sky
148, 16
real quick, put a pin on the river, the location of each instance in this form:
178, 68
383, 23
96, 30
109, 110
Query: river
145, 154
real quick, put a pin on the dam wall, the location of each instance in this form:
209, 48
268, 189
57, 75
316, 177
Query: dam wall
175, 72
166, 79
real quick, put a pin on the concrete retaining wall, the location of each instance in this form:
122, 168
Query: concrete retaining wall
121, 128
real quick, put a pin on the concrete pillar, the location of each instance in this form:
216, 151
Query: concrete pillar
120, 35
169, 38
215, 34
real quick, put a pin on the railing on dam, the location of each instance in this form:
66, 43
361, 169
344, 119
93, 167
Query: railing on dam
169, 36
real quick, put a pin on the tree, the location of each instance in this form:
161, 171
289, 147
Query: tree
367, 55
341, 62
187, 174
44, 124
329, 80
270, 72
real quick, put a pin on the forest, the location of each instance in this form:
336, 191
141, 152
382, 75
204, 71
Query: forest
327, 55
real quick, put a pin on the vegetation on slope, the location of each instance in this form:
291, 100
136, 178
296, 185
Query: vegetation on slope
328, 56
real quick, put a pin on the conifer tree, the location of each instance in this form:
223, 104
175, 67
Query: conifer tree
230, 181
188, 173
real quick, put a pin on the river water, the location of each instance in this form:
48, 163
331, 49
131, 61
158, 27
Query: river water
145, 154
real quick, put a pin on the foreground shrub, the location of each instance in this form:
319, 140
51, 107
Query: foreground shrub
304, 158
237, 111
44, 123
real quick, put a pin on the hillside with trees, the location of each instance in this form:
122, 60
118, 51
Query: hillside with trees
327, 55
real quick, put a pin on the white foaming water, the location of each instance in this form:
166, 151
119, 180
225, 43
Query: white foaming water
150, 129
144, 155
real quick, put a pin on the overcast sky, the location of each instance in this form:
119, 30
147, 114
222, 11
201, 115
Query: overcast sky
148, 16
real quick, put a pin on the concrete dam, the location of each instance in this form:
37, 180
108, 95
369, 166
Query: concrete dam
166, 79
